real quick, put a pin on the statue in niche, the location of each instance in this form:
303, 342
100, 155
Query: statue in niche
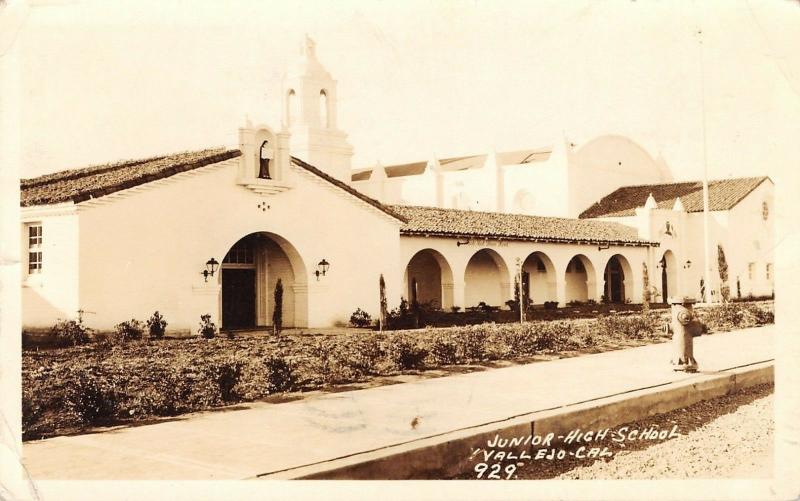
264, 161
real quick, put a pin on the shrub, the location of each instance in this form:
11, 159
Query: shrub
442, 349
280, 374
31, 408
360, 318
631, 327
326, 361
70, 333
129, 330
550, 305
552, 336
363, 354
731, 316
403, 352
208, 329
472, 343
226, 374
156, 326
91, 398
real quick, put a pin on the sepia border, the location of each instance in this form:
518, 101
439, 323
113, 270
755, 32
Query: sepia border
15, 485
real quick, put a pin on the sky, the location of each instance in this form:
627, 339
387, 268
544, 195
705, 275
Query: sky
111, 80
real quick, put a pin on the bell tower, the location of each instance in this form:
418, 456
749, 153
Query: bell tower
309, 114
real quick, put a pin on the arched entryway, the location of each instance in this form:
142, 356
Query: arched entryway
486, 279
669, 276
539, 278
579, 279
248, 276
429, 280
618, 280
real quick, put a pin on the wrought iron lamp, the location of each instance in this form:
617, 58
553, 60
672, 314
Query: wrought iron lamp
211, 267
322, 268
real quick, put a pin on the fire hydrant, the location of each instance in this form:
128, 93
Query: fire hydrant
684, 327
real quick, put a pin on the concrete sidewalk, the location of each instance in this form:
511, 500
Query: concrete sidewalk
270, 439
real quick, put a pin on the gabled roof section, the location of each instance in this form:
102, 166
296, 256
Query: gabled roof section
459, 163
344, 186
78, 185
432, 221
723, 194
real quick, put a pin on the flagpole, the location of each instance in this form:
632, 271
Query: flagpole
706, 248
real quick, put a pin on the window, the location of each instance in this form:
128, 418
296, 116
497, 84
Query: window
751, 270
240, 253
764, 210
35, 248
769, 271
323, 109
291, 107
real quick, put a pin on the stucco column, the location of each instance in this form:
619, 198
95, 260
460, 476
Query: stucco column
506, 292
561, 292
447, 295
598, 286
459, 289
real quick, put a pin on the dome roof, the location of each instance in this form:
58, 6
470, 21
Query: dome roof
307, 65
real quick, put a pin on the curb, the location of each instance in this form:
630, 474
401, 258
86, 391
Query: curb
450, 454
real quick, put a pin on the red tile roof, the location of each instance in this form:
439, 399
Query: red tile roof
78, 185
723, 194
463, 223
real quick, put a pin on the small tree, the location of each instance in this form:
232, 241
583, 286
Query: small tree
277, 314
382, 295
208, 329
722, 264
156, 326
645, 290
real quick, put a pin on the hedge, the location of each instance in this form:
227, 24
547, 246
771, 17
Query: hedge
71, 389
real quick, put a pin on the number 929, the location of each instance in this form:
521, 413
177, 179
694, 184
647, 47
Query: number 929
493, 471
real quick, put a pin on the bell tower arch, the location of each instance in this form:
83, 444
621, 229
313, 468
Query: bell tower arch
310, 114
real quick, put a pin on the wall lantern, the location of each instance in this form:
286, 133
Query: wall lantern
662, 263
211, 268
322, 268
687, 265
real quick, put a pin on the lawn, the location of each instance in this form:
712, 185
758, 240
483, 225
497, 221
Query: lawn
70, 390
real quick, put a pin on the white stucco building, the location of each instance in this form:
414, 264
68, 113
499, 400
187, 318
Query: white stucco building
122, 240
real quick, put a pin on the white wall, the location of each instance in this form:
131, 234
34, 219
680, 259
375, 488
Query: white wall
53, 293
604, 164
146, 247
751, 240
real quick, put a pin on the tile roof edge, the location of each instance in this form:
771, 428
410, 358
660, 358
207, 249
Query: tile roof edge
450, 209
344, 186
751, 190
637, 242
760, 180
588, 241
140, 181
696, 181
